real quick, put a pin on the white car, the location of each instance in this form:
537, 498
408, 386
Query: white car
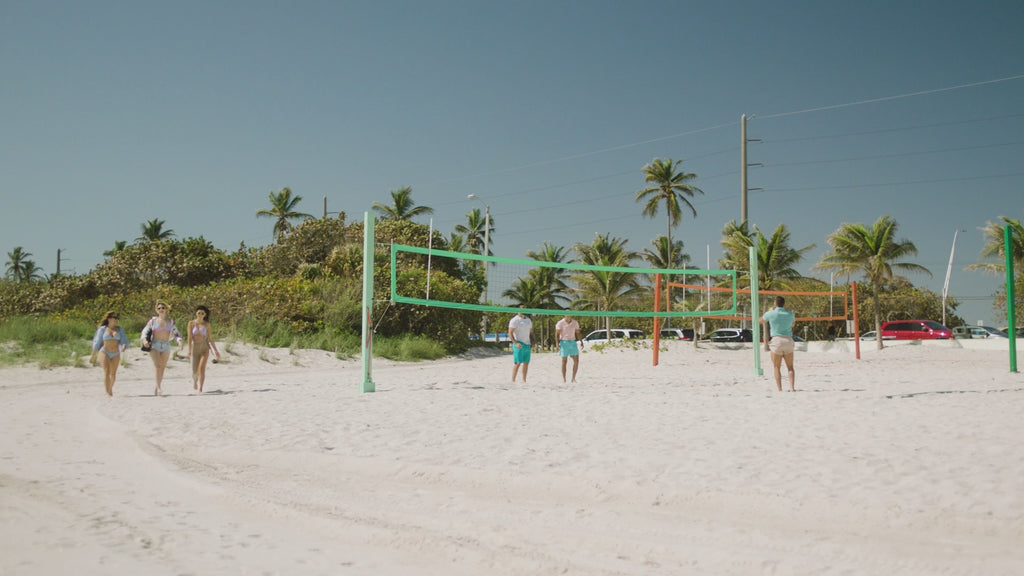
978, 332
601, 336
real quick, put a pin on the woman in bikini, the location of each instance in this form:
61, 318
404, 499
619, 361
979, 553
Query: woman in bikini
157, 334
200, 342
112, 341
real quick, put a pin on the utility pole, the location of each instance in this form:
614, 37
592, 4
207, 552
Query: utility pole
58, 262
743, 167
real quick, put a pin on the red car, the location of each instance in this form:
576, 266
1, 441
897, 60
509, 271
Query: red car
915, 330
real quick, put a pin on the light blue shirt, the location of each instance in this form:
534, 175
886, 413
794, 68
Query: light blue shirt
781, 321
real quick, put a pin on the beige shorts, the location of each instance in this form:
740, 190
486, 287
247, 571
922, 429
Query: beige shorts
782, 345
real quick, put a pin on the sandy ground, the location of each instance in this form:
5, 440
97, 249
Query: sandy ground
907, 461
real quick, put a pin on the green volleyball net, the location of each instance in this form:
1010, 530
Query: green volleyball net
465, 281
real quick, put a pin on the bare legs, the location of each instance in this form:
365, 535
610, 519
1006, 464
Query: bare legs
200, 355
515, 370
109, 371
777, 364
160, 360
575, 366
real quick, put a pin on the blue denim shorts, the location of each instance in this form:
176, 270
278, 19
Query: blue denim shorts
162, 346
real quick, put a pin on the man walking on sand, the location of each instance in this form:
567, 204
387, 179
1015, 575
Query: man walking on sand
568, 331
520, 330
781, 344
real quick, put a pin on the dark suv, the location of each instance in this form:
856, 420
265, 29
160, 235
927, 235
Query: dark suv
676, 333
915, 330
731, 335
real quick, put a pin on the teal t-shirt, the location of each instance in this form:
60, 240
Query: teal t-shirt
781, 321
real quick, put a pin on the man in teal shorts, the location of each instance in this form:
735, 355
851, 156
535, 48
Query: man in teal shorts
568, 331
520, 330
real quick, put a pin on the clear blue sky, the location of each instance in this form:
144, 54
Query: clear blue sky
118, 112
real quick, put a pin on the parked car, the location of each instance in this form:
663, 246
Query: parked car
978, 332
601, 336
1020, 331
730, 335
915, 330
676, 333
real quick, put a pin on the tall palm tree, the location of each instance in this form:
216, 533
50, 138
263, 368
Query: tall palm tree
672, 187
605, 290
476, 222
402, 207
119, 245
995, 246
153, 231
282, 208
873, 251
18, 263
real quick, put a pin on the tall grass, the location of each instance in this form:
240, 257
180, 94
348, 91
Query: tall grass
52, 343
44, 341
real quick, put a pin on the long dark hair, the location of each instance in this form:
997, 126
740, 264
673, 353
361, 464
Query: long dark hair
106, 317
204, 309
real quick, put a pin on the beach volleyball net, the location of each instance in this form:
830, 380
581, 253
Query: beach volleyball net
808, 306
588, 290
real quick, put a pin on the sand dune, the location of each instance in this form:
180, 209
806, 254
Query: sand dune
907, 461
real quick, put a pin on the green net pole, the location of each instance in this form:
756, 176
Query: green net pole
755, 315
1011, 302
368, 245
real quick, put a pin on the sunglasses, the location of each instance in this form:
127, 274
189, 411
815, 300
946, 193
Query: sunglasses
112, 317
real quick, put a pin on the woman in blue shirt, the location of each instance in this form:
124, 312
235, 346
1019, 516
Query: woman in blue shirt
112, 341
781, 344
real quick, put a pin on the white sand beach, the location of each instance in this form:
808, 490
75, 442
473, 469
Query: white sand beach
907, 461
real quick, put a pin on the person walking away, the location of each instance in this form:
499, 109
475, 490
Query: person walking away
781, 344
520, 330
568, 331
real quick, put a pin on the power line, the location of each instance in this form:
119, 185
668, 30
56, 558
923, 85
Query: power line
901, 155
888, 98
887, 130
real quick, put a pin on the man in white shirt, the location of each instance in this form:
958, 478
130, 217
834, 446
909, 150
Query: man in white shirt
520, 330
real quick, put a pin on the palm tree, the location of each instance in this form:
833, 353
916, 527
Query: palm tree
17, 263
402, 207
776, 259
666, 256
873, 251
552, 279
473, 230
671, 187
153, 231
282, 207
995, 246
119, 245
605, 290
527, 292
456, 242
736, 242
31, 272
